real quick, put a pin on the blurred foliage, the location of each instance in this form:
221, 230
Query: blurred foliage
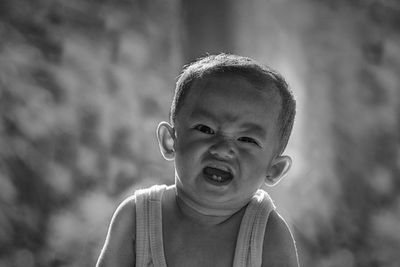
83, 85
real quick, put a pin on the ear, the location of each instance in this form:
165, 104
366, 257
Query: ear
278, 169
166, 140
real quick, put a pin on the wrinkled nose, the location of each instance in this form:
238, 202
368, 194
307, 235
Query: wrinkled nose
223, 149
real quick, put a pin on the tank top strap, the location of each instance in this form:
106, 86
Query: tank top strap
149, 242
249, 244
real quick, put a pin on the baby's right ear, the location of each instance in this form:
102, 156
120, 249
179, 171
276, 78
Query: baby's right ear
166, 140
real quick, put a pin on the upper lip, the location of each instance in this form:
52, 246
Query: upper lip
220, 165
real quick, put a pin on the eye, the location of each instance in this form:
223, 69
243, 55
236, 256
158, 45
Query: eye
249, 140
204, 129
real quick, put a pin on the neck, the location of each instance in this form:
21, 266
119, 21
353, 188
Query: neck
201, 214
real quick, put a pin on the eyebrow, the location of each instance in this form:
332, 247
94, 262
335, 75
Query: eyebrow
202, 113
245, 127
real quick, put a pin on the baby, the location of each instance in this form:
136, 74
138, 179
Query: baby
230, 121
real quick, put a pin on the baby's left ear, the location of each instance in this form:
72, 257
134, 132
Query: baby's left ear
279, 168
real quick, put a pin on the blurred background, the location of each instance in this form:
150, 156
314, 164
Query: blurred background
83, 85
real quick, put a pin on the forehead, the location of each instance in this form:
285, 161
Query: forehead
232, 97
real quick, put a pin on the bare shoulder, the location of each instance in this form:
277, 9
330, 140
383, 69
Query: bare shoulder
119, 247
279, 248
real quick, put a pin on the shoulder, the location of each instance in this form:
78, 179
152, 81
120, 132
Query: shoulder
124, 217
279, 248
119, 247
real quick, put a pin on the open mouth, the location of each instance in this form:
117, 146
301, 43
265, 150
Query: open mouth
218, 175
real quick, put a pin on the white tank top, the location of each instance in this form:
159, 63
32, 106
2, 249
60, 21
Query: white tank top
149, 238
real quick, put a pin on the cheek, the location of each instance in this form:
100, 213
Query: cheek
254, 162
191, 146
188, 156
249, 155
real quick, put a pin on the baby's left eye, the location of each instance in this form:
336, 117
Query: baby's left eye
248, 140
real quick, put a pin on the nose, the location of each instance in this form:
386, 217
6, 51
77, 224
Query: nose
223, 149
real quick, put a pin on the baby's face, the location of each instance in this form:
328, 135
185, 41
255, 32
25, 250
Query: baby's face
226, 137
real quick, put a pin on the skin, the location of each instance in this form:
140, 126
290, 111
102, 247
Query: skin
227, 123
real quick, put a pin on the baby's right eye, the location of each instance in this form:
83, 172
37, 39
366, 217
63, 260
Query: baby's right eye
204, 129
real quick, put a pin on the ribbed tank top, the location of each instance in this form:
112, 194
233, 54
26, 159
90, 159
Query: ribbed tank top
149, 237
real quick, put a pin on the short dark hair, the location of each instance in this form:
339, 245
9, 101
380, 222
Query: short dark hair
255, 72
